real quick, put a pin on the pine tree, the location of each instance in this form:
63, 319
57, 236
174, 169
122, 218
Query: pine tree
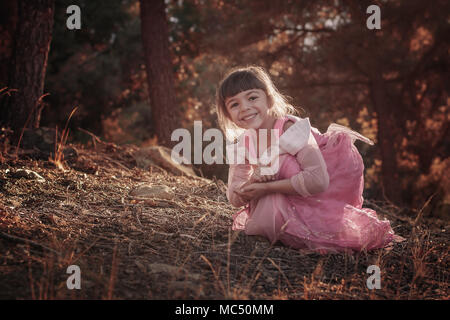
166, 115
28, 64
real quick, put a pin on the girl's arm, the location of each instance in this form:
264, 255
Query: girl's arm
280, 186
257, 190
312, 180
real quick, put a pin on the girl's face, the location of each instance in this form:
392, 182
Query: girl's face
250, 109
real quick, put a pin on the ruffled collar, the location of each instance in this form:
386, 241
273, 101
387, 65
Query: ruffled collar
291, 141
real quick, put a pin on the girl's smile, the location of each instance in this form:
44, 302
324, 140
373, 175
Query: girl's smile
250, 110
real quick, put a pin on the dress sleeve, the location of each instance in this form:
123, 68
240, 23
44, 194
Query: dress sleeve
314, 177
238, 174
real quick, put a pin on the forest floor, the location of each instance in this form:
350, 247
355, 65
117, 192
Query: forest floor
182, 248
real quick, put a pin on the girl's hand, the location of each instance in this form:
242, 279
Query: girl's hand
252, 191
258, 177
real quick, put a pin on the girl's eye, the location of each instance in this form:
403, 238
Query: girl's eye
234, 105
252, 98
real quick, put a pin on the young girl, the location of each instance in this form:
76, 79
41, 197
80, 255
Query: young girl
314, 199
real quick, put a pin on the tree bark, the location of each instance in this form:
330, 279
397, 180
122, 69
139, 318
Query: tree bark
8, 23
387, 136
28, 64
388, 124
165, 112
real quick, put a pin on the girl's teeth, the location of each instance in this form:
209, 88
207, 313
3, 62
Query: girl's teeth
249, 117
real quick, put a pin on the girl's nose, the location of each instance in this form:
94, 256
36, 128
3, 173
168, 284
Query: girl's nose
246, 105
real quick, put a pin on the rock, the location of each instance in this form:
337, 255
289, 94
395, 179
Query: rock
27, 174
146, 191
161, 156
40, 143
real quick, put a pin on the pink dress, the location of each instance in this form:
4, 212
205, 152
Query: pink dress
327, 172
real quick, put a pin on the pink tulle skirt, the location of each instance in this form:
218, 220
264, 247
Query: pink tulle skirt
331, 221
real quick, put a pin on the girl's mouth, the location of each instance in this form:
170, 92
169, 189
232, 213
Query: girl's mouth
249, 117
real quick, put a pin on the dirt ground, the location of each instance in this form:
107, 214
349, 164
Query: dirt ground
181, 248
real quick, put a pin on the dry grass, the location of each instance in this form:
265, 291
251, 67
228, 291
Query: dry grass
181, 248
58, 157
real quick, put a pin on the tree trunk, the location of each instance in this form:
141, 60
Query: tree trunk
387, 134
166, 115
388, 126
8, 23
28, 64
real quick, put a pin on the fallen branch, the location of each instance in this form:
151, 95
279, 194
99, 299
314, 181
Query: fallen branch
97, 139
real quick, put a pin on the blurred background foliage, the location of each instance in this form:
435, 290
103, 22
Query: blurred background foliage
390, 84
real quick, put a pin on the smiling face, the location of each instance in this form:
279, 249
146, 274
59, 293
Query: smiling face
249, 109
